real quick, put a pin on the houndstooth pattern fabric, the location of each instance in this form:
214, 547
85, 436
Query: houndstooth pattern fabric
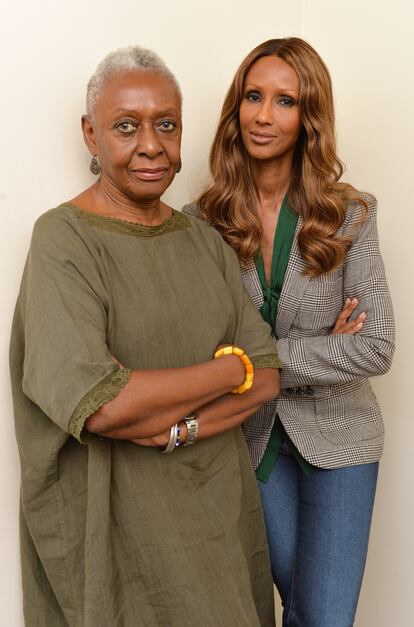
326, 403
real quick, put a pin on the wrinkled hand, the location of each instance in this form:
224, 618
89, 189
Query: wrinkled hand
343, 324
160, 440
155, 441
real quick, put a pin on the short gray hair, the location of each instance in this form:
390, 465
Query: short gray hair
123, 60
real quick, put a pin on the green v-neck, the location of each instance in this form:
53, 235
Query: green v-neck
282, 245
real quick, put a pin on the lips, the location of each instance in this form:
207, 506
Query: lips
261, 138
150, 174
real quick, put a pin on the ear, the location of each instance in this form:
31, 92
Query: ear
88, 131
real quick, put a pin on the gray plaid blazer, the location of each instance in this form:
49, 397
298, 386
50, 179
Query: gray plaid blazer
326, 403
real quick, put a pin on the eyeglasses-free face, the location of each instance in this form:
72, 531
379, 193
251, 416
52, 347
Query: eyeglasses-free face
269, 113
136, 133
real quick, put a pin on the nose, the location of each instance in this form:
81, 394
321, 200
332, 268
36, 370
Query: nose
148, 144
264, 113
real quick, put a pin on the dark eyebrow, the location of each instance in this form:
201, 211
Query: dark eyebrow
284, 90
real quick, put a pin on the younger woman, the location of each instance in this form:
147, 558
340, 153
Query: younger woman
310, 259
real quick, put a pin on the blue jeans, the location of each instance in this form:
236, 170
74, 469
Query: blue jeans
318, 529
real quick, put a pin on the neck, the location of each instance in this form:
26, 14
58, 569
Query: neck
110, 202
272, 181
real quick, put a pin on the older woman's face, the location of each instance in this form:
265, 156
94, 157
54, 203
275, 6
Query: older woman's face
136, 132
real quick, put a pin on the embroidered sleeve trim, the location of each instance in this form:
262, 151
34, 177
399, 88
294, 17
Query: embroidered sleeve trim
103, 392
266, 361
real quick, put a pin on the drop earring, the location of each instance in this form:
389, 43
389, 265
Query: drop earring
94, 166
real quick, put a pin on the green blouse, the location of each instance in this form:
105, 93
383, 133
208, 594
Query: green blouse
284, 235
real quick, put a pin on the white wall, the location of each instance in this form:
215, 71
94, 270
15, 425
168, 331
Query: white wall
369, 48
47, 52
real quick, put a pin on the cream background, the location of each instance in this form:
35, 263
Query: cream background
47, 52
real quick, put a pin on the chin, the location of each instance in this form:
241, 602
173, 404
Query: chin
150, 190
261, 154
144, 195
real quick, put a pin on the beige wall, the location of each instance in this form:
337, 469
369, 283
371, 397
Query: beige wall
49, 49
369, 48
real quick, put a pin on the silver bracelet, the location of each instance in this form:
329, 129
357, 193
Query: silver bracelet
192, 429
172, 442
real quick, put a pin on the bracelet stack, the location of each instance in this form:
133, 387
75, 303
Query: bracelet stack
174, 439
239, 352
192, 429
192, 433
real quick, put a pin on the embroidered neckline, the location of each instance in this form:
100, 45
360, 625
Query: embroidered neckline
177, 222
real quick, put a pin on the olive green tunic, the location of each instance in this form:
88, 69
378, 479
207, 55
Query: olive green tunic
113, 534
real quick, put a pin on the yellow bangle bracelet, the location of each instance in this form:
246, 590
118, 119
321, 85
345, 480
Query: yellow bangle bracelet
248, 366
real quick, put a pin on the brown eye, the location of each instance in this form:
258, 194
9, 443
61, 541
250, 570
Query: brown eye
167, 126
286, 101
126, 127
253, 96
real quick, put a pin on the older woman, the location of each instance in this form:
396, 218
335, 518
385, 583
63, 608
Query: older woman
308, 246
113, 532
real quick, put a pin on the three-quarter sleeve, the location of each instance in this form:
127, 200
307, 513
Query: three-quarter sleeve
68, 370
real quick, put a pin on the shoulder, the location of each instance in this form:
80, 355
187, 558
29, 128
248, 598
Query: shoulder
191, 209
56, 219
360, 215
212, 239
361, 209
202, 227
59, 232
205, 230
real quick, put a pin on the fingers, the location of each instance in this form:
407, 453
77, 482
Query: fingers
343, 316
343, 324
131, 435
349, 307
356, 325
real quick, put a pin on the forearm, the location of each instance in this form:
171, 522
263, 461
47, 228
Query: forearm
332, 359
153, 400
232, 410
214, 417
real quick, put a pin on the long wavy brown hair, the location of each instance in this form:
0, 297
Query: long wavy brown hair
315, 193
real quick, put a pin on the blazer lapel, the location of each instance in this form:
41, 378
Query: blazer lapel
252, 282
293, 289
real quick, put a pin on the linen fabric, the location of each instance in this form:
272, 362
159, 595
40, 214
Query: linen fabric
326, 404
113, 533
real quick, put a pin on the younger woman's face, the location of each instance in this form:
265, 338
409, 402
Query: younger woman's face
269, 112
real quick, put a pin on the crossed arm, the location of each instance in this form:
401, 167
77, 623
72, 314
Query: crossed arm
153, 400
343, 356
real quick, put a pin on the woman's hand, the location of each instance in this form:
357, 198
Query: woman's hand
159, 441
162, 439
153, 400
343, 324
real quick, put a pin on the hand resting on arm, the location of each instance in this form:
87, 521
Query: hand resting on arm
154, 400
343, 322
